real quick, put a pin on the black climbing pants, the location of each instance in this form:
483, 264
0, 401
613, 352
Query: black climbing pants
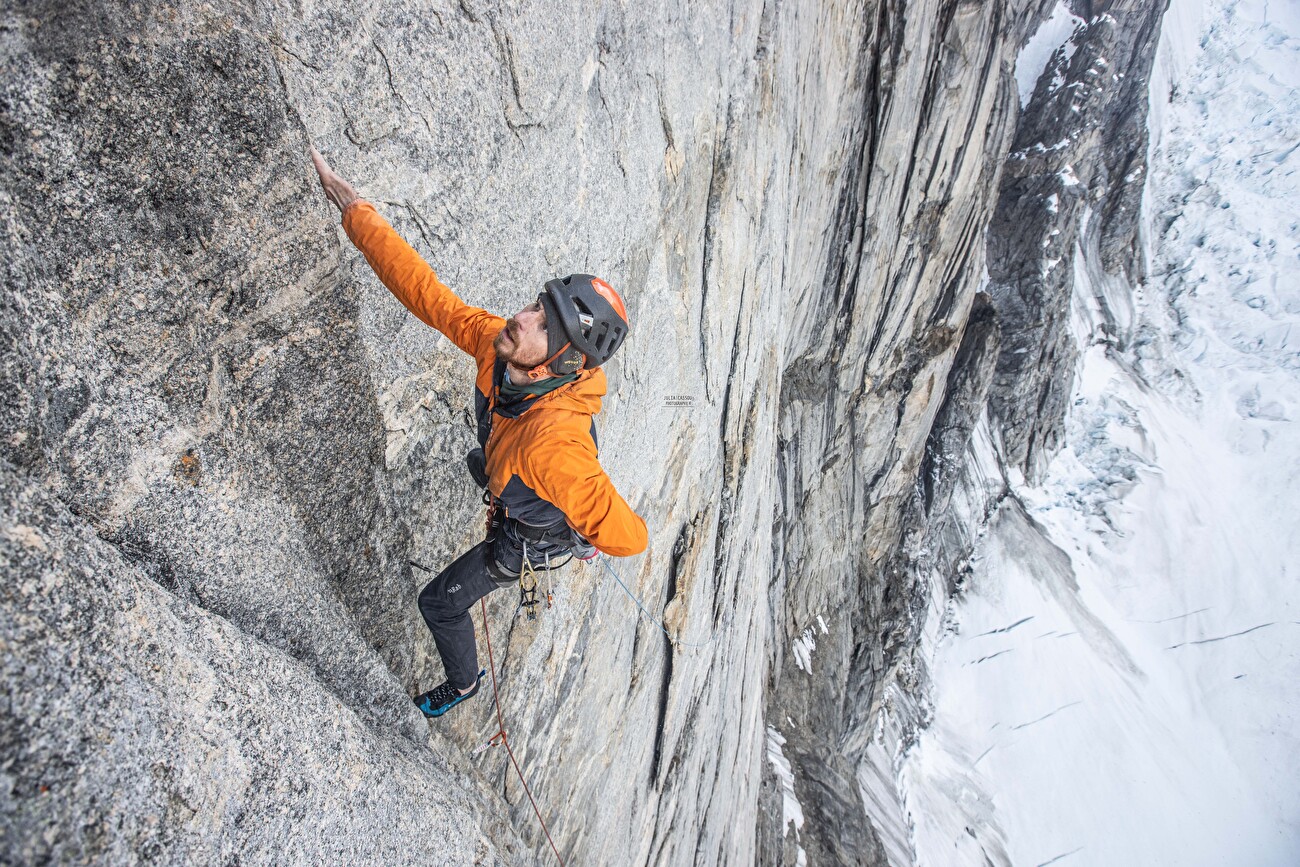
445, 601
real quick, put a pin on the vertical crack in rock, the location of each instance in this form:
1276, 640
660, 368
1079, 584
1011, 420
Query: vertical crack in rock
674, 564
721, 163
732, 461
957, 269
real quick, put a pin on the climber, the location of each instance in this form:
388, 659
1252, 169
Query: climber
539, 384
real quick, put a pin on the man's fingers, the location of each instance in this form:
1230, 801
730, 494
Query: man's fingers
322, 168
337, 190
326, 174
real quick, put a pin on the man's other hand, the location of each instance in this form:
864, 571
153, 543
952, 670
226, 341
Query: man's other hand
580, 547
336, 189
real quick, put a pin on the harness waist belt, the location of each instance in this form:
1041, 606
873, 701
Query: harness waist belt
558, 533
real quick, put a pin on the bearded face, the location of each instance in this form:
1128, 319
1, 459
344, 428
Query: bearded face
523, 340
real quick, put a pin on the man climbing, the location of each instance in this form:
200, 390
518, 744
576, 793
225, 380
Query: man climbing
539, 384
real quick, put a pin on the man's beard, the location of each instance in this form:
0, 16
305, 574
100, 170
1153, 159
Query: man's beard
511, 352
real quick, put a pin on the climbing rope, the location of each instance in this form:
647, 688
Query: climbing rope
500, 736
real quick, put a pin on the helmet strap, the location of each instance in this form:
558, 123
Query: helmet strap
544, 369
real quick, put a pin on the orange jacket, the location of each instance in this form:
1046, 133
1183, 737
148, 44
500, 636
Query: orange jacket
542, 465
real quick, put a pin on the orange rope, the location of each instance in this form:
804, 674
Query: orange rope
501, 733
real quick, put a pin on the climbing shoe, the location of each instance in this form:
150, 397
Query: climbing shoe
444, 697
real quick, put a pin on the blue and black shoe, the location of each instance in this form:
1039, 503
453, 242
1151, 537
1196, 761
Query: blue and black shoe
444, 697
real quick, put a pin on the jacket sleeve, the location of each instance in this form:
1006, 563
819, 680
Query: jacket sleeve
569, 475
415, 284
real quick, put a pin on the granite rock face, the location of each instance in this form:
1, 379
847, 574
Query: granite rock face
224, 443
145, 728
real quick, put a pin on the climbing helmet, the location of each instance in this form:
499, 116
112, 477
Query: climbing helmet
592, 323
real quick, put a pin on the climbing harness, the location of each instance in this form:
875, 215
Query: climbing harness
500, 739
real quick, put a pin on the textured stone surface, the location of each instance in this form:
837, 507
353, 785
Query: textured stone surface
146, 729
225, 441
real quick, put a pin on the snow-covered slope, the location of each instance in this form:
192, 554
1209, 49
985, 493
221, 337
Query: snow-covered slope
1116, 683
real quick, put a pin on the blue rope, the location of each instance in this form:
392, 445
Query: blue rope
604, 561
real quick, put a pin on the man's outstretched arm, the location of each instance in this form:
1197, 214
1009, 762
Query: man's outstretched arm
402, 270
568, 474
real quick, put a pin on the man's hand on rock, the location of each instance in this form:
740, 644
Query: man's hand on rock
336, 189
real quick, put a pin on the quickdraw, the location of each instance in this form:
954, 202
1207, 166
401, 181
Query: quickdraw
549, 595
494, 741
527, 585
